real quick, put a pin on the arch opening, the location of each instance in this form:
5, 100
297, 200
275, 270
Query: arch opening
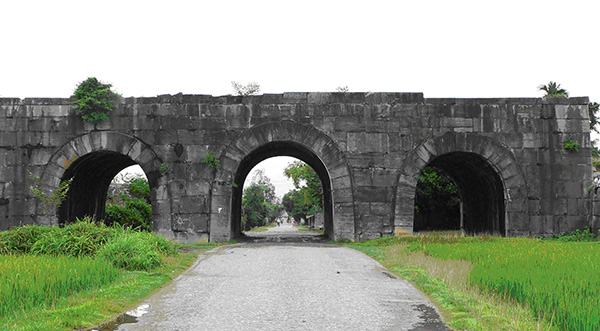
481, 191
91, 176
273, 149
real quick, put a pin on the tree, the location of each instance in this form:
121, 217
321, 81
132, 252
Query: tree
306, 181
553, 90
296, 204
251, 88
259, 202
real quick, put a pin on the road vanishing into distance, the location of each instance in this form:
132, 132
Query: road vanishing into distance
286, 279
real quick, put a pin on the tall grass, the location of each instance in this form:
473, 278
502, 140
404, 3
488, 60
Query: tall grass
137, 250
125, 248
21, 239
466, 307
558, 280
28, 281
83, 238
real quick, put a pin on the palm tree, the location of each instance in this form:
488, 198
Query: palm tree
553, 90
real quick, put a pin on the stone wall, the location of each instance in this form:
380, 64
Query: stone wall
372, 147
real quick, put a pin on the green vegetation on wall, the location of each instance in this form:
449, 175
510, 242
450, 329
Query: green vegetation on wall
211, 160
251, 88
571, 145
94, 100
553, 90
51, 200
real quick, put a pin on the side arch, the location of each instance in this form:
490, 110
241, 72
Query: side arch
494, 155
285, 138
91, 161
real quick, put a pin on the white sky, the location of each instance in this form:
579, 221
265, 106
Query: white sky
273, 168
441, 48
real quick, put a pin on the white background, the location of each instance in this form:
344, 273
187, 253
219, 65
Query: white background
441, 48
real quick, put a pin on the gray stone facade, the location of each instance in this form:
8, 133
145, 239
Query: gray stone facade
506, 156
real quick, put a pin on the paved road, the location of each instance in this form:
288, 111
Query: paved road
287, 286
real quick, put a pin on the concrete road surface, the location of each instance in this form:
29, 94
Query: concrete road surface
286, 286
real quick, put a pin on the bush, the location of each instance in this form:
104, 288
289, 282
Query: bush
124, 248
134, 213
21, 239
82, 238
136, 251
130, 209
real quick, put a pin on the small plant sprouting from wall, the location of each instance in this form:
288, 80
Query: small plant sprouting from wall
50, 201
95, 100
571, 145
211, 160
165, 168
251, 88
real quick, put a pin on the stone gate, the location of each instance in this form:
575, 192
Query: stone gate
505, 155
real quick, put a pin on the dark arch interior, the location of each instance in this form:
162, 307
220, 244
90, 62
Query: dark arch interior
280, 149
91, 175
480, 188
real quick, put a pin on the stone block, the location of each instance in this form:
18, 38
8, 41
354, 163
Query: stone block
373, 194
381, 209
341, 183
372, 224
343, 195
384, 178
454, 122
190, 223
572, 223
190, 205
343, 208
348, 124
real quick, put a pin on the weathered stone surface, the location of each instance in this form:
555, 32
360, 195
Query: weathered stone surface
371, 147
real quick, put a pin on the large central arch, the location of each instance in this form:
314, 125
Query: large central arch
487, 174
284, 138
281, 148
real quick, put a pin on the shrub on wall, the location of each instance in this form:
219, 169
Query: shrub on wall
94, 100
571, 145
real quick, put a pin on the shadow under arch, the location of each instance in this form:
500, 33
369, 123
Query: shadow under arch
487, 173
284, 138
91, 161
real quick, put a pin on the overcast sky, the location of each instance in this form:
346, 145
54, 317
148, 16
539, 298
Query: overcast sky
441, 48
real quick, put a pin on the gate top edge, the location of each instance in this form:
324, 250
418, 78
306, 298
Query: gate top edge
308, 98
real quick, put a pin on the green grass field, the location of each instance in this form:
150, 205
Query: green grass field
83, 274
556, 282
29, 281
